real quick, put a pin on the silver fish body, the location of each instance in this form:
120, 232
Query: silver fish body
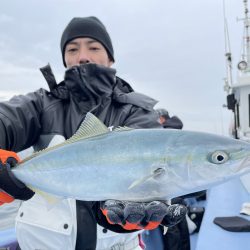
136, 165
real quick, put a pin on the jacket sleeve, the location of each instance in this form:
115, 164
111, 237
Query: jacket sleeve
142, 118
20, 121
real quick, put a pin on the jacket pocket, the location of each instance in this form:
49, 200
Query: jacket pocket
38, 227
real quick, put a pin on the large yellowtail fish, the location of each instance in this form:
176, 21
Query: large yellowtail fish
133, 164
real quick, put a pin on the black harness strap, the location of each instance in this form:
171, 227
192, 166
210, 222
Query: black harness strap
49, 76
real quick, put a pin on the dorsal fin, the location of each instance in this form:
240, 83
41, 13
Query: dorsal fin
90, 127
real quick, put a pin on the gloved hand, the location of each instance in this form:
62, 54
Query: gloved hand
142, 215
10, 187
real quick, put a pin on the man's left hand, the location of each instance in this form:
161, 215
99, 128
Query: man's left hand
142, 215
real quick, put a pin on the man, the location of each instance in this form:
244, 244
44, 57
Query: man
45, 118
168, 122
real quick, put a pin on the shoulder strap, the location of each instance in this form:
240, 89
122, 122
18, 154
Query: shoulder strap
57, 90
49, 76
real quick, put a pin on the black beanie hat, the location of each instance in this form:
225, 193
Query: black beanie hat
87, 27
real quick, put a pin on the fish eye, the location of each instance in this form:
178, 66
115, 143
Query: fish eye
219, 157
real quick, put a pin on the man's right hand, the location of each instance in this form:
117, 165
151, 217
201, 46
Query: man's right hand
10, 187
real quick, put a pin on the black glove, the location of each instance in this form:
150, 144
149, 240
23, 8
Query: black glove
142, 215
10, 187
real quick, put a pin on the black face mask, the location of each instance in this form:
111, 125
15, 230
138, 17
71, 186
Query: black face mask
90, 81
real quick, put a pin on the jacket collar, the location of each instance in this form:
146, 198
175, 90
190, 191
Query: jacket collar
90, 81
95, 82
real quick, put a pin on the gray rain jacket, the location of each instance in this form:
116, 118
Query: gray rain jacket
33, 120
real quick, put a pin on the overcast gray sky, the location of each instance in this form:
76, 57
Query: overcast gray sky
170, 50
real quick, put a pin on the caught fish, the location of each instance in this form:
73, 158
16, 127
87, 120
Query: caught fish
133, 164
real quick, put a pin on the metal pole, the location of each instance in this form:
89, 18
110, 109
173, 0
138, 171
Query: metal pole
247, 38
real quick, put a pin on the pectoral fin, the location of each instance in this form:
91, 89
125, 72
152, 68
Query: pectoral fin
140, 181
156, 173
